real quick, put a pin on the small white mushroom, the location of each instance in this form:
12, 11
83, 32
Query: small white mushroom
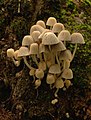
41, 23
37, 83
39, 73
51, 21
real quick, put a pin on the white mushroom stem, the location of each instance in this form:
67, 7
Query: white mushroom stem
74, 51
35, 59
52, 56
57, 60
55, 94
17, 63
19, 6
27, 64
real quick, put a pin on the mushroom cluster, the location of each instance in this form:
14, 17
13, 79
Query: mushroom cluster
46, 46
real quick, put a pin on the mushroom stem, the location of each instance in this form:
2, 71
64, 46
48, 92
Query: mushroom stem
17, 63
35, 60
57, 60
52, 57
40, 57
25, 61
74, 51
55, 94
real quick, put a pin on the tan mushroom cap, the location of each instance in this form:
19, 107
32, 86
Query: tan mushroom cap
58, 47
66, 64
55, 69
37, 83
65, 55
64, 35
16, 55
59, 83
67, 74
10, 52
27, 40
50, 38
50, 79
51, 21
39, 73
42, 65
77, 38
43, 48
41, 23
57, 27
23, 51
67, 83
36, 28
33, 48
35, 35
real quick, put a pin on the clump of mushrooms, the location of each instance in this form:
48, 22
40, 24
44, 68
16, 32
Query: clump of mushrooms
46, 46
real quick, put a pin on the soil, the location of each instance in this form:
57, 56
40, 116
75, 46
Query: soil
19, 100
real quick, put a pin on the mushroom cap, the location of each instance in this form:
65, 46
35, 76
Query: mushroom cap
42, 65
27, 40
10, 52
51, 21
64, 35
50, 38
16, 55
34, 48
35, 35
36, 28
41, 23
65, 55
58, 47
77, 38
32, 72
54, 69
66, 64
67, 83
59, 83
43, 48
23, 51
39, 73
57, 27
67, 74
50, 79
37, 83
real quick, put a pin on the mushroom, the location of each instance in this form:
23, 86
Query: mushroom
42, 65
27, 41
57, 28
23, 52
34, 51
54, 69
58, 84
67, 74
10, 53
67, 83
50, 39
36, 28
76, 38
54, 101
39, 73
50, 79
51, 21
37, 83
64, 35
35, 35
32, 73
41, 23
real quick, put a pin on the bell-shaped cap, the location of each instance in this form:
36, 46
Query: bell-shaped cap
35, 35
59, 83
50, 79
57, 27
64, 35
77, 38
50, 38
66, 64
41, 23
36, 28
58, 47
43, 48
27, 40
67, 74
51, 21
39, 73
10, 52
42, 65
55, 69
65, 55
23, 51
33, 48
67, 83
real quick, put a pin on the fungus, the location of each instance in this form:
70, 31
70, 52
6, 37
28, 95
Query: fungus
32, 73
37, 83
58, 84
76, 38
23, 52
67, 74
10, 53
50, 79
57, 28
27, 40
42, 65
67, 83
35, 35
54, 101
36, 28
39, 73
54, 69
41, 23
51, 21
34, 51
